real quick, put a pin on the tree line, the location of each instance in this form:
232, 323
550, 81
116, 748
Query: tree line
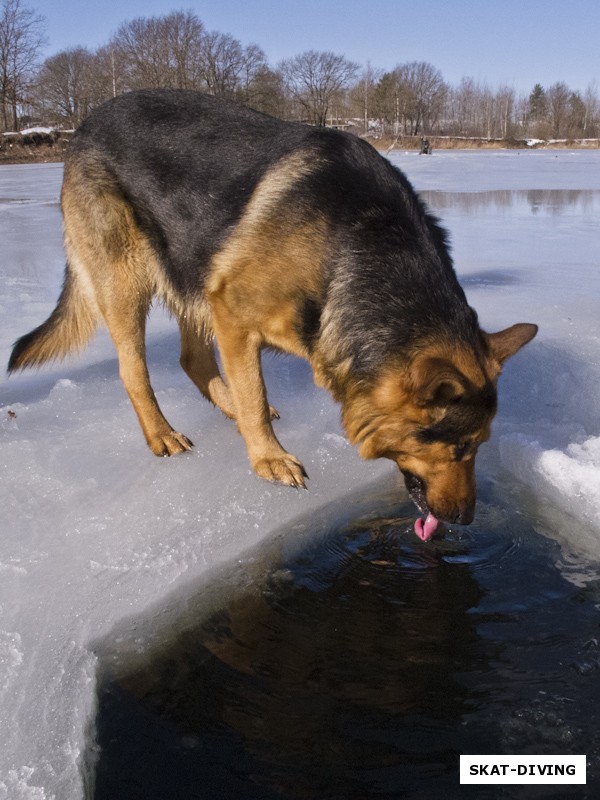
323, 88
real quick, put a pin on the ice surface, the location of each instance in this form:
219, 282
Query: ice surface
94, 528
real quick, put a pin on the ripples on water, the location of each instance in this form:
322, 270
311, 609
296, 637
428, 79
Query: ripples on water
360, 665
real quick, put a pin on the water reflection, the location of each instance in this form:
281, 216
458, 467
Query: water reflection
490, 277
358, 666
545, 202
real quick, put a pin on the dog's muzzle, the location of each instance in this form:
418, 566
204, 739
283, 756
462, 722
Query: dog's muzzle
461, 514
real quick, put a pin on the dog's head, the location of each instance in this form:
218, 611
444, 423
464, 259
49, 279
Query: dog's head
430, 416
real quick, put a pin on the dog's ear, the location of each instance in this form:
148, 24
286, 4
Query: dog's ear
506, 343
436, 382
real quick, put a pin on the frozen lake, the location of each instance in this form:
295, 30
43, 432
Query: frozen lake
99, 537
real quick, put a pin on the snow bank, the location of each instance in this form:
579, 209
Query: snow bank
571, 475
27, 131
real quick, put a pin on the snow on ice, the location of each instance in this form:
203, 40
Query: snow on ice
95, 529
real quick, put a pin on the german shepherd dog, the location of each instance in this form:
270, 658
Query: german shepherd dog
263, 233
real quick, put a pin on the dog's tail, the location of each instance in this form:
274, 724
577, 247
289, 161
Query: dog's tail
68, 328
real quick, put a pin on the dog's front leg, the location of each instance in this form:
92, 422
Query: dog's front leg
240, 355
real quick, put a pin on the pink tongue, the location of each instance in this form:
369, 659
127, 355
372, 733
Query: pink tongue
426, 529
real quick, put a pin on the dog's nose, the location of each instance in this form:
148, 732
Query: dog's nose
464, 514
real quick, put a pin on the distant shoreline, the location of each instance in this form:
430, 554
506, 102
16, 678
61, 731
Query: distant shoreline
389, 143
21, 149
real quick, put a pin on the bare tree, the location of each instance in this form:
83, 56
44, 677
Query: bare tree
505, 106
362, 95
175, 52
254, 64
474, 109
487, 102
184, 33
108, 73
64, 88
21, 40
267, 92
470, 109
222, 64
462, 108
161, 52
144, 53
425, 93
315, 79
413, 97
592, 111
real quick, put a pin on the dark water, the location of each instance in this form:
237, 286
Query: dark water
358, 662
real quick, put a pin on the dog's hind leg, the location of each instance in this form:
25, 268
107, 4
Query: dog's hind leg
126, 322
116, 264
199, 362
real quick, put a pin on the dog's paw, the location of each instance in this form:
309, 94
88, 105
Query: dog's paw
283, 468
170, 444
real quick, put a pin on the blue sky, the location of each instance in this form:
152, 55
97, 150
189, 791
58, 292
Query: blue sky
514, 42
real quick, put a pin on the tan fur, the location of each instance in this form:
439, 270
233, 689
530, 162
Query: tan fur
264, 270
382, 420
109, 255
